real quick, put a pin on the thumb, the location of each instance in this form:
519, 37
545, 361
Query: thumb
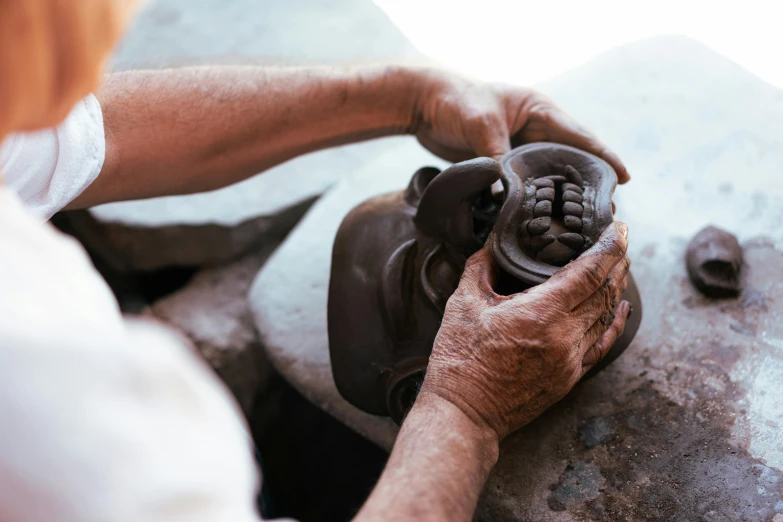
480, 274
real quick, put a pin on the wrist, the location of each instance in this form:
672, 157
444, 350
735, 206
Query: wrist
445, 416
415, 86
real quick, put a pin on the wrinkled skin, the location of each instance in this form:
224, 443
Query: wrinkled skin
56, 49
458, 119
503, 360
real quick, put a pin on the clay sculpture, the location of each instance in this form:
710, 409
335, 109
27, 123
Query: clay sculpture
714, 261
398, 257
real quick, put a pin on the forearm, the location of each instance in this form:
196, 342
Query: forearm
195, 129
437, 469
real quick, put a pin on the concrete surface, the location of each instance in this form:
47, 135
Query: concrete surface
687, 424
213, 312
217, 226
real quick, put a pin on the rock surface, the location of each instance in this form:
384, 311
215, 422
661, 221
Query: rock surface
213, 312
217, 226
687, 424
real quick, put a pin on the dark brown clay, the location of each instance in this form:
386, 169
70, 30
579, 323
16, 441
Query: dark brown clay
714, 260
397, 259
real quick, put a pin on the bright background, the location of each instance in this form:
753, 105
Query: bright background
486, 38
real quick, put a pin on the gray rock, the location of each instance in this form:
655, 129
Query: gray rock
692, 403
213, 312
217, 226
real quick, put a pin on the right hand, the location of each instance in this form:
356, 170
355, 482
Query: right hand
503, 360
51, 56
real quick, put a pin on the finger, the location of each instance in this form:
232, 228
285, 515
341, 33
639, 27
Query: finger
451, 154
492, 140
605, 337
480, 275
583, 277
605, 298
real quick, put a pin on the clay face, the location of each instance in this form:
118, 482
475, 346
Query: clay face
397, 259
714, 260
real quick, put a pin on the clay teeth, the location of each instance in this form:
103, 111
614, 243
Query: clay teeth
573, 188
540, 242
573, 175
543, 183
572, 209
572, 196
543, 208
547, 194
539, 225
573, 223
555, 179
572, 240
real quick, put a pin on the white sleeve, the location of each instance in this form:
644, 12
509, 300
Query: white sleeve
49, 168
103, 419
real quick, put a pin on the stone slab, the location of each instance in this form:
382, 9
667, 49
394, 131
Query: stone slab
213, 312
217, 226
687, 424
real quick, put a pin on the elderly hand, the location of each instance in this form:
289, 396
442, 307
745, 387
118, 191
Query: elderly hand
503, 360
51, 54
458, 119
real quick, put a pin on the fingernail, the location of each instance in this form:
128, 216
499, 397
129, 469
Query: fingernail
629, 306
622, 228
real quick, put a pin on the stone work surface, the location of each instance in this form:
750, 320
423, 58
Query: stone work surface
687, 424
213, 312
219, 225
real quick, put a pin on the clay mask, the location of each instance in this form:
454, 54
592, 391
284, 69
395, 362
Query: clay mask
397, 259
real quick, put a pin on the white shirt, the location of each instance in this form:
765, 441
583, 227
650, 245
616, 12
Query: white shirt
101, 418
49, 168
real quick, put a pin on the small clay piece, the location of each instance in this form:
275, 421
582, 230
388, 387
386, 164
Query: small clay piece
573, 223
539, 225
541, 242
572, 209
571, 240
398, 257
543, 208
714, 260
545, 194
574, 176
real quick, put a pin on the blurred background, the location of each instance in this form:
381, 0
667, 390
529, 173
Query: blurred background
670, 71
527, 42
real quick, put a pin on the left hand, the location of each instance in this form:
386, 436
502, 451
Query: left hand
503, 360
459, 119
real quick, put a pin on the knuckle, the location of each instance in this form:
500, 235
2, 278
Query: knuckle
541, 107
593, 276
616, 248
481, 120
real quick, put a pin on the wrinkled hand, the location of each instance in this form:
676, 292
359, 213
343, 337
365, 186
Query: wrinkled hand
503, 360
51, 55
458, 119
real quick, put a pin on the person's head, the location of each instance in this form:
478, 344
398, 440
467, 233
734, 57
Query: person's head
51, 55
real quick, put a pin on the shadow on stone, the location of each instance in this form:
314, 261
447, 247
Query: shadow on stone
315, 469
